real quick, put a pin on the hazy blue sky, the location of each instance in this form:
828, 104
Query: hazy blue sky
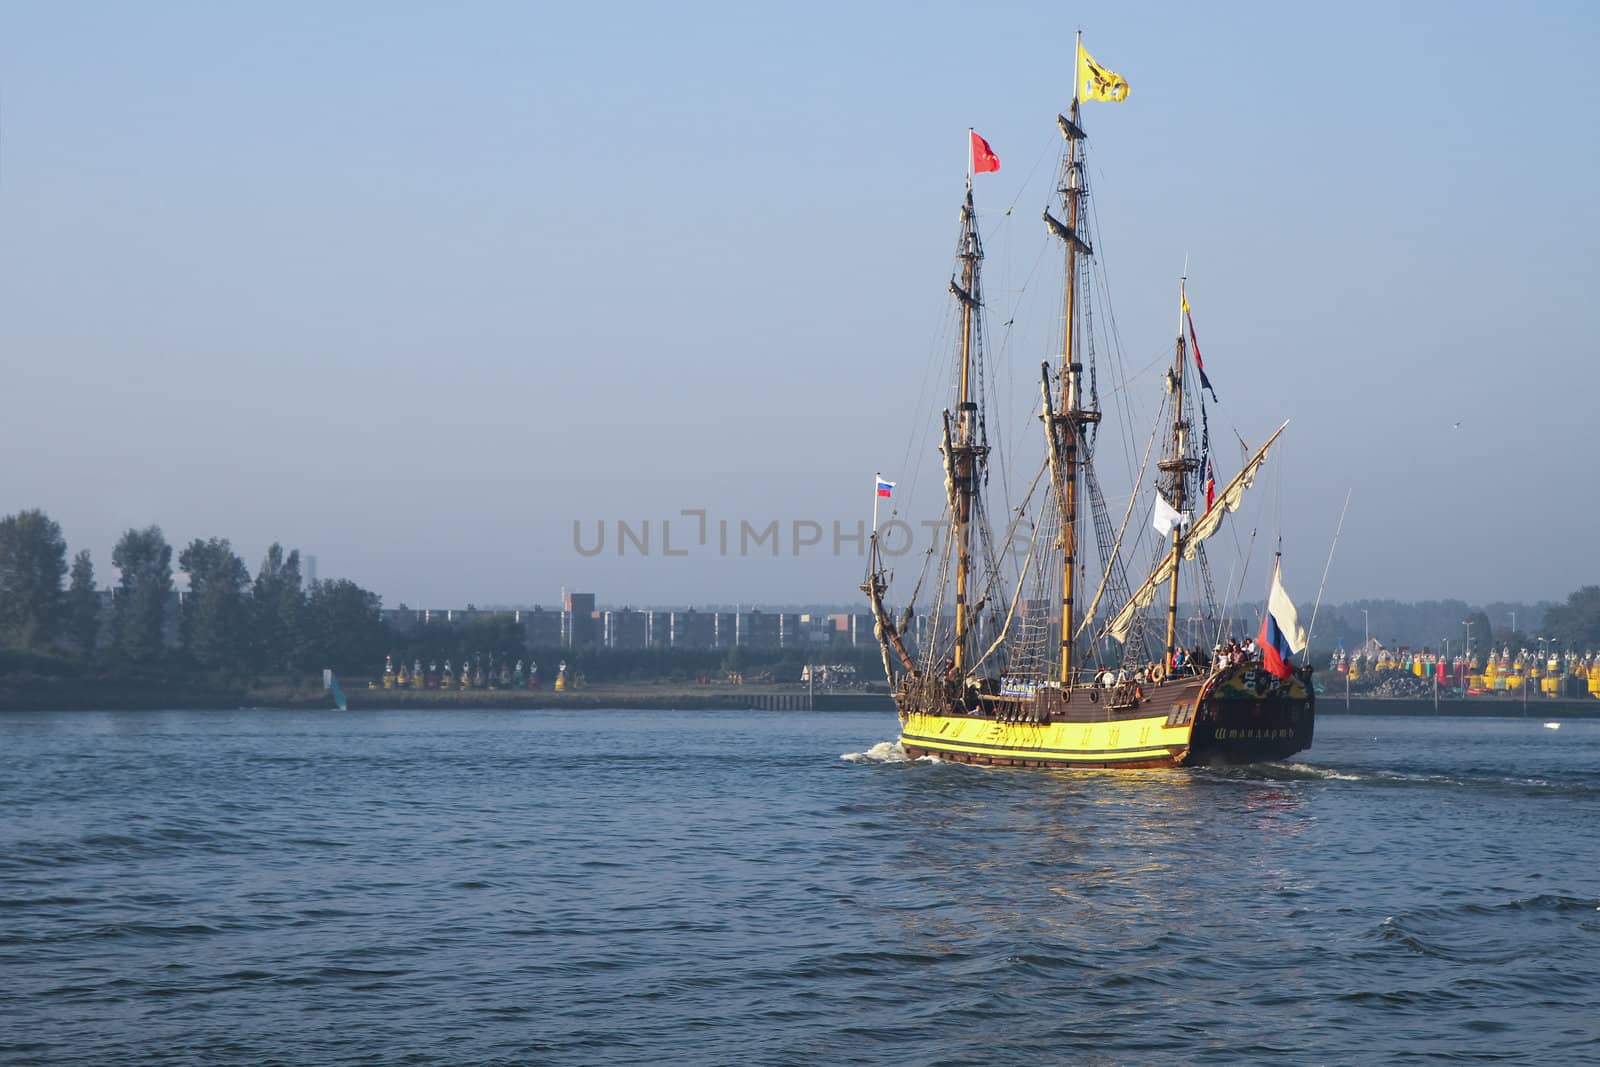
414, 286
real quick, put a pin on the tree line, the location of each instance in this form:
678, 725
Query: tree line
234, 627
229, 625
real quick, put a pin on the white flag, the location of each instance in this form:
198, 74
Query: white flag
1166, 516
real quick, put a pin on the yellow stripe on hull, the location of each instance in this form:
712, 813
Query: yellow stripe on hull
1126, 742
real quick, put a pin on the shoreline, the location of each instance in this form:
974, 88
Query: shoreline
151, 696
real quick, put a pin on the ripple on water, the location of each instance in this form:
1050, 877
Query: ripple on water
710, 888
1535, 928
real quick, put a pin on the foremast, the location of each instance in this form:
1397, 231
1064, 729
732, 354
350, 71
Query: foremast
965, 454
1065, 425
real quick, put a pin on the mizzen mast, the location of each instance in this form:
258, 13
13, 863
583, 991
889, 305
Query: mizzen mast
1067, 422
1177, 467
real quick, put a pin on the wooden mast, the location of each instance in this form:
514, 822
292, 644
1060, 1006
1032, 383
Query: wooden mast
1071, 417
962, 454
1177, 469
965, 452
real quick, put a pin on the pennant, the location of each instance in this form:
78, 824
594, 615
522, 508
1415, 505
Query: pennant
983, 158
1098, 82
1211, 484
1281, 634
1194, 346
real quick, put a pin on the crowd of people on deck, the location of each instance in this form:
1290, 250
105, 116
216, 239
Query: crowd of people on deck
1184, 661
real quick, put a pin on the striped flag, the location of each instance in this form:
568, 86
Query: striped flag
1194, 346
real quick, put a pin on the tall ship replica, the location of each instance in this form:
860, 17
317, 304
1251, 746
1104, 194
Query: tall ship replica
1029, 659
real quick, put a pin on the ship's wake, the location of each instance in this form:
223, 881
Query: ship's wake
1275, 771
883, 752
1327, 774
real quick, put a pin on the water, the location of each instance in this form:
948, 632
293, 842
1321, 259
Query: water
720, 888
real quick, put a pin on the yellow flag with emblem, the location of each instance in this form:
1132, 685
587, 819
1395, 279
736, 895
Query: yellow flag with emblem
1098, 83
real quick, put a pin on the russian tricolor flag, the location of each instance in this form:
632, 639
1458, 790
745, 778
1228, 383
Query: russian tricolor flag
1281, 635
885, 488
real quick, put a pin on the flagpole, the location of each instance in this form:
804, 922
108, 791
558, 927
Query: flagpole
875, 480
1077, 69
970, 132
1183, 298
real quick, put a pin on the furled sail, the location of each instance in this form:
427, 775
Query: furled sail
1227, 500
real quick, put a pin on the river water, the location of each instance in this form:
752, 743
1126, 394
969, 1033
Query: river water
777, 888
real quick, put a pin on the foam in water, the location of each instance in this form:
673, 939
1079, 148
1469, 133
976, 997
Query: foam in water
1552, 726
1326, 773
882, 752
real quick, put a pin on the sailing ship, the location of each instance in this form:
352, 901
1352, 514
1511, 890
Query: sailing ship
1010, 668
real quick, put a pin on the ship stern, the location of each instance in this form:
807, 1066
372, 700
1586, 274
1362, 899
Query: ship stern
1246, 715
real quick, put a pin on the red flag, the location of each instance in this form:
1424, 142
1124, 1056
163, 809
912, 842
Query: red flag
1211, 485
983, 157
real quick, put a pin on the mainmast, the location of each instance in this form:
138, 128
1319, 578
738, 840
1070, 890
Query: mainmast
1071, 418
1177, 467
964, 452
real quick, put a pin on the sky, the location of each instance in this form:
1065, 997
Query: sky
440, 294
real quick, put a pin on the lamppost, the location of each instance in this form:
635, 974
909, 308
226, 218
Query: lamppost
1468, 646
1366, 626
1445, 642
1513, 625
1527, 678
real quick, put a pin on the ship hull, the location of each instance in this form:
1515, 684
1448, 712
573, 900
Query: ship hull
1240, 715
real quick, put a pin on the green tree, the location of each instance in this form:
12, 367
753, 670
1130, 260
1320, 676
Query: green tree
1482, 633
145, 561
33, 561
345, 626
83, 605
214, 620
1576, 624
278, 607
